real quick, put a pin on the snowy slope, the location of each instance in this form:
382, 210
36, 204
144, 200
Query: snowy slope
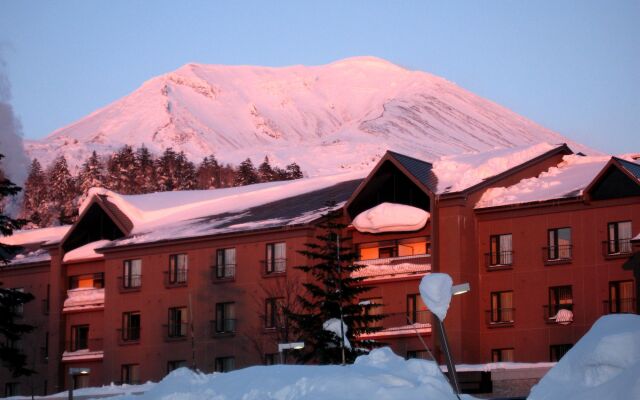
351, 110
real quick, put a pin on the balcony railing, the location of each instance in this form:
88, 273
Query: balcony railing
275, 266
175, 278
45, 306
223, 326
44, 355
176, 331
561, 314
401, 324
129, 335
393, 266
620, 306
561, 254
500, 317
224, 271
499, 260
84, 345
130, 283
616, 248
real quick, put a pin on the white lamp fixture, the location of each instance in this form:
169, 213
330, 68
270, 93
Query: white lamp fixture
460, 289
79, 371
290, 346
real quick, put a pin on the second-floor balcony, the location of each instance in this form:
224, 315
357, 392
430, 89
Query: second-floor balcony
393, 267
83, 349
401, 325
84, 299
620, 306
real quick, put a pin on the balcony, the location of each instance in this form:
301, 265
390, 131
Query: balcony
393, 267
554, 255
620, 306
175, 278
83, 350
130, 335
129, 283
500, 317
223, 272
274, 266
223, 327
84, 299
175, 331
620, 248
401, 325
560, 314
499, 261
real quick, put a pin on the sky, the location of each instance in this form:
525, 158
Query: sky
572, 66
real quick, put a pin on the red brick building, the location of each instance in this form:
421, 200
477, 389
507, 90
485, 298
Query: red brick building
141, 285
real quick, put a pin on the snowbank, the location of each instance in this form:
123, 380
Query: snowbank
86, 252
333, 325
435, 290
379, 375
604, 364
391, 217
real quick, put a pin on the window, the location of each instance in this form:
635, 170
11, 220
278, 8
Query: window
394, 248
619, 237
79, 337
130, 326
175, 364
416, 309
621, 299
178, 269
560, 308
557, 351
10, 389
225, 317
225, 364
87, 281
559, 244
130, 374
81, 381
225, 263
132, 274
419, 354
502, 355
501, 308
271, 358
276, 258
18, 309
273, 312
501, 250
177, 327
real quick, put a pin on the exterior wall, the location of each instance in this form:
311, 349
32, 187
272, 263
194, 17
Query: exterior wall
589, 272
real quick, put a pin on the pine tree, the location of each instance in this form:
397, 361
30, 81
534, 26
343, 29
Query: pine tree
11, 300
227, 176
62, 191
92, 175
266, 172
185, 173
34, 206
246, 174
122, 171
332, 292
166, 171
208, 173
294, 171
145, 177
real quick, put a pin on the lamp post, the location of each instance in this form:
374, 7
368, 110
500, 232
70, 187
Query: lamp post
288, 346
73, 373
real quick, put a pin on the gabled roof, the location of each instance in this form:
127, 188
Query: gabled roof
421, 170
627, 168
630, 167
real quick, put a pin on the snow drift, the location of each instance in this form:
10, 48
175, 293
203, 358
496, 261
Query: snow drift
603, 365
391, 217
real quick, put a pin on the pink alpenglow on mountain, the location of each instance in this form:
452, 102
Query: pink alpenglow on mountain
353, 110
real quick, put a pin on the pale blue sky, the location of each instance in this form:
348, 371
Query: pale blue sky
573, 66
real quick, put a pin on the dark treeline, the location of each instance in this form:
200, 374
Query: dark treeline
53, 196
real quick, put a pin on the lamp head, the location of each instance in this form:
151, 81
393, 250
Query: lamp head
460, 289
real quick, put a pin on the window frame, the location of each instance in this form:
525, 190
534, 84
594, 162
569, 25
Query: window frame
79, 335
499, 257
177, 329
499, 315
225, 269
274, 264
178, 271
224, 324
129, 279
554, 250
126, 374
130, 332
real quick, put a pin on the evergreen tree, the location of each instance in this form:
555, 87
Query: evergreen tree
122, 171
11, 300
280, 174
62, 191
208, 173
246, 174
331, 292
185, 173
145, 177
166, 171
266, 172
294, 171
34, 206
227, 176
92, 175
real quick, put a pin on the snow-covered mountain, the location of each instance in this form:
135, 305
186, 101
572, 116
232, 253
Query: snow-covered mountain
343, 115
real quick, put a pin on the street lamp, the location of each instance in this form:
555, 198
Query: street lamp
74, 373
288, 346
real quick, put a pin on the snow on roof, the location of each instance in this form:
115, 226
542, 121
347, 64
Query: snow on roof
459, 172
396, 267
391, 217
30, 257
636, 238
568, 179
33, 236
84, 299
86, 252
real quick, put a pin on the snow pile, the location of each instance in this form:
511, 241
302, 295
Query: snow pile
603, 365
35, 236
379, 375
435, 290
563, 317
382, 268
568, 179
86, 252
333, 326
84, 298
391, 217
459, 172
